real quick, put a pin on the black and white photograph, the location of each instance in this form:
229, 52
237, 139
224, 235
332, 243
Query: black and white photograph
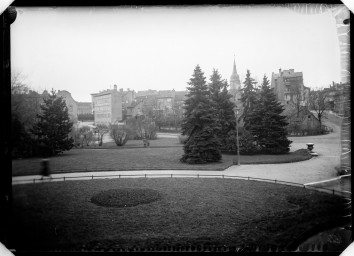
210, 128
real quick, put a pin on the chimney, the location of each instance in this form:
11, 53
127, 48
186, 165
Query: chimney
115, 87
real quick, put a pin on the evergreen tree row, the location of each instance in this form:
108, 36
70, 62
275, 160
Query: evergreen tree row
207, 119
210, 124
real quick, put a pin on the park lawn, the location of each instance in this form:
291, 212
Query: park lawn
159, 142
296, 156
198, 212
164, 154
79, 160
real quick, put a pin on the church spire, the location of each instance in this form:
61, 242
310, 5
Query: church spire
235, 83
234, 71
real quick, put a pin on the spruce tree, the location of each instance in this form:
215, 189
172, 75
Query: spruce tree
266, 123
220, 97
248, 99
53, 125
199, 123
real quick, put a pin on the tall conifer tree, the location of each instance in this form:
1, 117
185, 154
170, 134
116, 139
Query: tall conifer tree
266, 123
53, 125
248, 99
200, 123
223, 106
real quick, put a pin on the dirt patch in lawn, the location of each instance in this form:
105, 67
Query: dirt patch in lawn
125, 197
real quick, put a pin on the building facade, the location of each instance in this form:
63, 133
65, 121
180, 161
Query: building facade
165, 100
337, 95
75, 108
71, 104
127, 97
289, 87
107, 106
301, 122
84, 108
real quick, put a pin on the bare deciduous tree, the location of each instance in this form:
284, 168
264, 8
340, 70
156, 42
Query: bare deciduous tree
319, 103
101, 130
86, 135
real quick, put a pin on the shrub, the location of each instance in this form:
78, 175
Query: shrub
182, 138
248, 146
202, 147
21, 140
246, 142
342, 170
138, 129
118, 134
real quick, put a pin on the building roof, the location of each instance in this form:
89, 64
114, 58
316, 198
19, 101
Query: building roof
146, 93
166, 94
180, 95
136, 102
287, 73
150, 100
105, 92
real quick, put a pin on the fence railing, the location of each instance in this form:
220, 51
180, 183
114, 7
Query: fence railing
171, 175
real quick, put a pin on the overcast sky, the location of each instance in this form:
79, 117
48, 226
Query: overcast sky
87, 50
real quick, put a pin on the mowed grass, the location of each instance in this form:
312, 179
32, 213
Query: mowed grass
157, 143
164, 154
198, 212
296, 156
78, 160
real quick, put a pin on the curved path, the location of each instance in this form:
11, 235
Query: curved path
316, 169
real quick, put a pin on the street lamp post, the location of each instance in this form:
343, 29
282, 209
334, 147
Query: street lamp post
237, 140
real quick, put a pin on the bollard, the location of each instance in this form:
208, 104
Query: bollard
64, 178
34, 180
223, 176
275, 181
198, 175
333, 191
92, 176
171, 175
145, 175
248, 178
119, 176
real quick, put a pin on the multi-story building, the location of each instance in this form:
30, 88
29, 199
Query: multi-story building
165, 100
135, 109
70, 103
75, 108
336, 96
84, 108
341, 97
148, 92
151, 102
127, 97
107, 106
289, 87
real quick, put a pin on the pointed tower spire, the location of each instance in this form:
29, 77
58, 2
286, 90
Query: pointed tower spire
235, 83
234, 71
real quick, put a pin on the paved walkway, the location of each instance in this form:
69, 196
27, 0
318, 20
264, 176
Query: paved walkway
316, 169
